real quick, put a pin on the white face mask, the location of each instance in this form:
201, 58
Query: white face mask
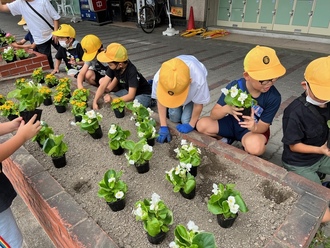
63, 44
312, 101
25, 27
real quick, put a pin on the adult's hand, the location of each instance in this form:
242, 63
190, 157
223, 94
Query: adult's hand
184, 128
164, 135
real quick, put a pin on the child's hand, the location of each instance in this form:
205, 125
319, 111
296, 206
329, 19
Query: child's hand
16, 123
30, 129
325, 150
107, 98
235, 111
248, 121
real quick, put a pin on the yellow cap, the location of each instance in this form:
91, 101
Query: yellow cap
317, 74
262, 63
115, 52
65, 30
22, 22
90, 44
173, 84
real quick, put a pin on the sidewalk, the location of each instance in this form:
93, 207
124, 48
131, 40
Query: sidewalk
223, 57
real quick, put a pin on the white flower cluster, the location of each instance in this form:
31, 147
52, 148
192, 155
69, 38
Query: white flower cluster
233, 93
180, 170
113, 129
119, 194
232, 205
187, 147
8, 49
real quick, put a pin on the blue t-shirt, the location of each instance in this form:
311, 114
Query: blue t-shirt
29, 37
267, 103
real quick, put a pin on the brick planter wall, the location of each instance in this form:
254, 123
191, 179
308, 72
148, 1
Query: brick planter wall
23, 67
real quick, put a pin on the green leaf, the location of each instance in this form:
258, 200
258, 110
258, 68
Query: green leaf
205, 240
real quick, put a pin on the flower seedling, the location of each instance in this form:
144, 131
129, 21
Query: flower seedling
117, 136
188, 153
237, 97
138, 153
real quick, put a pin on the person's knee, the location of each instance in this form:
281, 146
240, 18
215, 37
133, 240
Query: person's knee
201, 125
254, 144
174, 117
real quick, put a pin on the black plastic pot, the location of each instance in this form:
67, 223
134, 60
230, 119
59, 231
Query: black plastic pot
159, 238
59, 162
118, 152
142, 168
117, 205
98, 134
226, 223
27, 115
189, 196
119, 114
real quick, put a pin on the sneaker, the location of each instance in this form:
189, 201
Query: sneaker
228, 141
321, 175
326, 184
153, 102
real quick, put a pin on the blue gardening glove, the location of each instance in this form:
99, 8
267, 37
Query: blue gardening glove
184, 128
164, 135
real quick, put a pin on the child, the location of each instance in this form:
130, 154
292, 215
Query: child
70, 50
180, 85
305, 130
92, 71
261, 70
28, 37
9, 231
127, 83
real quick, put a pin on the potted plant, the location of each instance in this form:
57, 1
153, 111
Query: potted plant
113, 190
60, 101
139, 154
9, 38
182, 180
20, 82
64, 86
43, 134
51, 80
29, 98
116, 136
139, 111
8, 54
56, 148
189, 154
80, 95
91, 123
38, 76
239, 98
118, 106
156, 217
225, 202
47, 94
9, 109
78, 109
3, 99
192, 237
22, 54
146, 129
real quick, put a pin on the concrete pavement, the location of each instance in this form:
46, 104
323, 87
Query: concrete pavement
223, 57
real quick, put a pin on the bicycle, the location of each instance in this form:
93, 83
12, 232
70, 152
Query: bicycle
147, 17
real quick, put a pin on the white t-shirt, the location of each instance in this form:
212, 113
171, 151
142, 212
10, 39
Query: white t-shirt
39, 29
199, 90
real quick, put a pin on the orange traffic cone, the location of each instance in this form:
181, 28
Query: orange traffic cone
191, 21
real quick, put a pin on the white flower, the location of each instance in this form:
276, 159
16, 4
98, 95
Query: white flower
83, 121
155, 198
119, 194
177, 151
242, 97
177, 170
147, 148
215, 189
225, 91
199, 150
113, 129
131, 162
132, 118
91, 114
185, 147
112, 179
138, 211
183, 142
89, 121
234, 208
137, 124
191, 226
185, 166
150, 111
233, 91
173, 245
136, 104
191, 147
169, 173
141, 134
231, 201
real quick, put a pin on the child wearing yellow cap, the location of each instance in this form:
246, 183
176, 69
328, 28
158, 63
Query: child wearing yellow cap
127, 83
70, 50
27, 38
180, 87
305, 130
261, 70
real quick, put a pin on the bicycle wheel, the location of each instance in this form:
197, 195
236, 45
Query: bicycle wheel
147, 19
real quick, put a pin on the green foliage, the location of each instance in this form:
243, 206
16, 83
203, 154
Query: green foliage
78, 107
180, 178
146, 128
139, 111
80, 95
188, 154
20, 82
51, 80
21, 53
117, 136
9, 108
43, 134
54, 146
226, 200
28, 95
192, 237
8, 54
118, 104
154, 214
138, 153
90, 121
320, 240
111, 187
38, 75
237, 97
2, 99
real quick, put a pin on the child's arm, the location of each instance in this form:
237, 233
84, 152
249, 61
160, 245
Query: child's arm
24, 133
57, 66
303, 148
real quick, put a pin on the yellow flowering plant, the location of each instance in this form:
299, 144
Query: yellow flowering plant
60, 99
63, 86
78, 107
51, 80
80, 95
45, 91
118, 104
2, 99
9, 108
38, 75
20, 82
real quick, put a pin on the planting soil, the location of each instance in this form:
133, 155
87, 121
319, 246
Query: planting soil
268, 202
